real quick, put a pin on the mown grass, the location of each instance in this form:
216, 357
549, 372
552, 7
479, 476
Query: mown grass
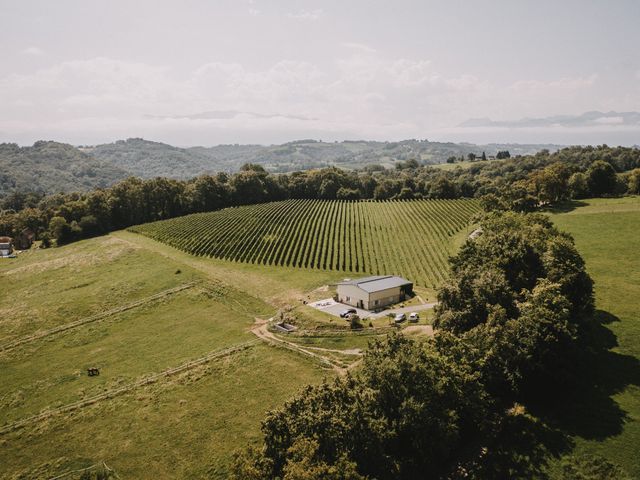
605, 420
276, 286
52, 371
46, 288
185, 427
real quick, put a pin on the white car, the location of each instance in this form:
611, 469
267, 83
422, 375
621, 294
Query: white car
400, 317
414, 317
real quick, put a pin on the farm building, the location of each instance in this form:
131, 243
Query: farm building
6, 247
372, 293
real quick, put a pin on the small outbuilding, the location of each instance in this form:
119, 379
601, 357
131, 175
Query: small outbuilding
373, 293
6, 246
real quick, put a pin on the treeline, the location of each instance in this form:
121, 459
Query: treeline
513, 320
520, 184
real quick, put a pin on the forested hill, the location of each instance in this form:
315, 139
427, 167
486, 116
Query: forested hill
145, 159
148, 159
50, 167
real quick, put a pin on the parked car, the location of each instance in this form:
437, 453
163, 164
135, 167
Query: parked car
348, 312
400, 317
414, 317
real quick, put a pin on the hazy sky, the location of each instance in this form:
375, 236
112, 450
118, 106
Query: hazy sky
257, 71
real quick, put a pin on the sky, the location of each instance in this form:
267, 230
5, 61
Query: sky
196, 72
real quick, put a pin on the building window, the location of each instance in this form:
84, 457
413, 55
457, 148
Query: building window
348, 299
375, 302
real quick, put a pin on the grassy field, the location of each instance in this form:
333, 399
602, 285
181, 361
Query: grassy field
605, 419
188, 425
183, 426
465, 164
410, 238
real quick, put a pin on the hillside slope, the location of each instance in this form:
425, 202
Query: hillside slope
408, 238
145, 159
137, 312
52, 167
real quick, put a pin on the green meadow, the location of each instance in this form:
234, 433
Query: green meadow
189, 424
184, 426
604, 419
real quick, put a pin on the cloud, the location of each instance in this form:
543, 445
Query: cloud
33, 51
360, 94
359, 47
307, 14
254, 12
562, 84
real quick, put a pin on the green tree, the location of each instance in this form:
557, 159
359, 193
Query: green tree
60, 230
347, 194
305, 463
633, 182
396, 419
578, 185
601, 178
89, 226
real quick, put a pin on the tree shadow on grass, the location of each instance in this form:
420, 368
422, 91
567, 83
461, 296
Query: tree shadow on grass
582, 406
585, 407
523, 448
565, 207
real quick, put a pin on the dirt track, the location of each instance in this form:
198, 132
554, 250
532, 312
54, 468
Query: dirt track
261, 330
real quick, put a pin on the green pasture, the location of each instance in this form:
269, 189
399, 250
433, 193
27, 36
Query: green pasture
604, 420
183, 426
187, 426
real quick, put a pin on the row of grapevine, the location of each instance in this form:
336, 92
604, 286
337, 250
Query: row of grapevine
408, 238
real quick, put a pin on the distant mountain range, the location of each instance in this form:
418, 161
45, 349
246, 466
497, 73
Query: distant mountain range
147, 159
588, 119
51, 167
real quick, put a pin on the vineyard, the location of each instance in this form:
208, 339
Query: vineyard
409, 238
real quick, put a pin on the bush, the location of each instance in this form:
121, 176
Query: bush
354, 322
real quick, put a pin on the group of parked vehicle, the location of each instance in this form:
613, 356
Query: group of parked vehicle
399, 318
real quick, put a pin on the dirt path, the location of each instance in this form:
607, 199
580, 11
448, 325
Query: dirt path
261, 330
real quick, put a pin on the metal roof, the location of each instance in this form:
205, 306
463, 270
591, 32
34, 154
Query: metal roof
377, 283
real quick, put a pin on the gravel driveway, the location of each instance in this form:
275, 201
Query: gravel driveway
332, 307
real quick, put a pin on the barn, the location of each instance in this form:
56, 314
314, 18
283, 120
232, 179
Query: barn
373, 293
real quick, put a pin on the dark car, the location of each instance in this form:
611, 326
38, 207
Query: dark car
348, 312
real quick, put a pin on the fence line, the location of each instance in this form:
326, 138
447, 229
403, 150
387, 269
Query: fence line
94, 318
71, 472
120, 390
